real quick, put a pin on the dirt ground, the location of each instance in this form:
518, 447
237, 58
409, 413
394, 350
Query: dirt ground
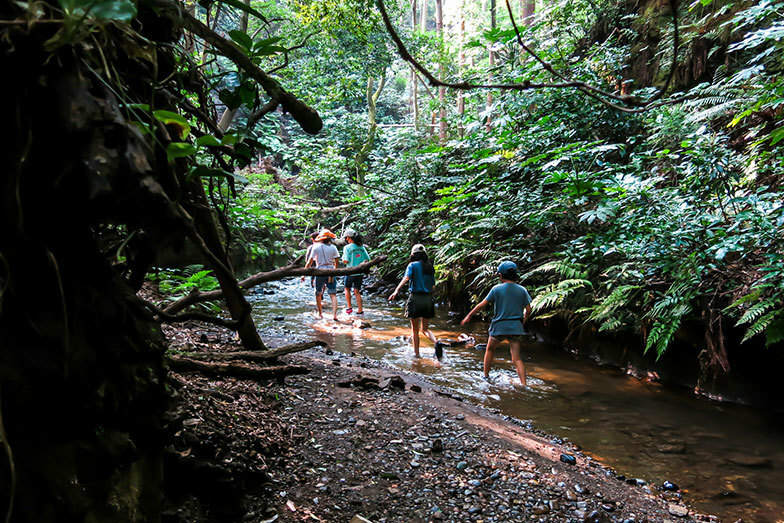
351, 438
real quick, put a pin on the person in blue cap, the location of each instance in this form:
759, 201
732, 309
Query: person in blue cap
512, 309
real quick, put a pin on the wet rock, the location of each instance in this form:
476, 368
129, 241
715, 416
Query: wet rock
329, 352
360, 324
475, 483
597, 517
415, 388
677, 510
437, 445
568, 459
670, 486
672, 449
609, 507
571, 496
480, 346
754, 462
474, 510
462, 465
279, 318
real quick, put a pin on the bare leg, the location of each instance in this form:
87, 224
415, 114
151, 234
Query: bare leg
348, 298
427, 332
518, 362
359, 300
334, 298
415, 335
318, 305
492, 343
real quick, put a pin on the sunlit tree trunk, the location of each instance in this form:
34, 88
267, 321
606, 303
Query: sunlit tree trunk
491, 59
529, 8
423, 16
414, 86
441, 88
460, 67
228, 114
360, 162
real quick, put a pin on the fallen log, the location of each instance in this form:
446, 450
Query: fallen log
254, 355
233, 370
263, 277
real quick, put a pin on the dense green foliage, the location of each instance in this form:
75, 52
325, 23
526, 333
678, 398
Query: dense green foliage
632, 222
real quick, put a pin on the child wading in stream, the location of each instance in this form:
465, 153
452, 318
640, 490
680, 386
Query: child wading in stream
324, 255
512, 310
421, 278
354, 253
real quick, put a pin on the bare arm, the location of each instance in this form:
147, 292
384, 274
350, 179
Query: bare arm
481, 305
526, 314
399, 286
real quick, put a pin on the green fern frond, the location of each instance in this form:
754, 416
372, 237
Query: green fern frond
774, 333
752, 296
561, 268
756, 310
760, 325
661, 334
611, 324
618, 298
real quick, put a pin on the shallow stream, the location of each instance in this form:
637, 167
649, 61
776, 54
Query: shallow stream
728, 459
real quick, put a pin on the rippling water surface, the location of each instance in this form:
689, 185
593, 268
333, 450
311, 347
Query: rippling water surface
728, 459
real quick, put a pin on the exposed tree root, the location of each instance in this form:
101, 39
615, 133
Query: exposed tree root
255, 356
234, 370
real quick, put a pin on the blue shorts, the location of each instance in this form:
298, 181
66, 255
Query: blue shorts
321, 281
355, 281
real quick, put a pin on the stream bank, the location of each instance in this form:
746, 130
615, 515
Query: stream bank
349, 439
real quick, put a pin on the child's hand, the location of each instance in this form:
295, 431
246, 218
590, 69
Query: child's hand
392, 296
465, 320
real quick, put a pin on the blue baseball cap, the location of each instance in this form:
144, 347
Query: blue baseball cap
507, 266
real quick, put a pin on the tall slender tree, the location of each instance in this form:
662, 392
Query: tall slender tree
441, 88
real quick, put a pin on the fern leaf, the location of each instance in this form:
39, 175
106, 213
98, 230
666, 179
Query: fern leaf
755, 311
774, 333
760, 325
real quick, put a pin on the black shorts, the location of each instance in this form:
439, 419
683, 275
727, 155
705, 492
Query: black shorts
420, 305
355, 281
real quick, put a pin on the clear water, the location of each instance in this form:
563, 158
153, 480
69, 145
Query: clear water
728, 459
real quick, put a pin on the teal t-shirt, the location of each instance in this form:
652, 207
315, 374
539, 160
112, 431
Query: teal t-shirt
509, 300
419, 282
353, 255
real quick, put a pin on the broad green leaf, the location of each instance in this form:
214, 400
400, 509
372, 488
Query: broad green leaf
168, 117
207, 140
776, 136
267, 42
179, 150
229, 139
242, 39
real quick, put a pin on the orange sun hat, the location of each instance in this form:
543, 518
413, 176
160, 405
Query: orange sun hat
325, 234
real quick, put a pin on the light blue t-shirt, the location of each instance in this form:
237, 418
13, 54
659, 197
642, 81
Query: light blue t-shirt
353, 255
509, 299
419, 282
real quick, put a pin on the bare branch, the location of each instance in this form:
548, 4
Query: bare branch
590, 90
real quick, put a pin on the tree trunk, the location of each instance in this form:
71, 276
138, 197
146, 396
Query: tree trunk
360, 161
423, 15
529, 8
414, 97
228, 114
491, 60
441, 88
460, 67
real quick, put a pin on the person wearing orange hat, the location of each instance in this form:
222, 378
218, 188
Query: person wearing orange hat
324, 255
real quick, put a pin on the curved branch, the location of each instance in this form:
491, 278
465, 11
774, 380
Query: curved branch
306, 116
164, 317
277, 274
590, 90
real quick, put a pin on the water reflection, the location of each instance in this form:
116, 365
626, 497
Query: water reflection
728, 458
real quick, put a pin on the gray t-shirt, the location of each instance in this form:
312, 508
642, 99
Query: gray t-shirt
509, 299
324, 255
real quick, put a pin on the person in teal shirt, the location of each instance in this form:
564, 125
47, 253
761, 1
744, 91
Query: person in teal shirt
354, 253
512, 305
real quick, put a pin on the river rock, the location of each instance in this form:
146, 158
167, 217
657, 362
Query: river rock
462, 465
540, 510
669, 485
597, 517
359, 519
415, 388
437, 445
480, 346
568, 459
672, 449
677, 510
754, 462
360, 324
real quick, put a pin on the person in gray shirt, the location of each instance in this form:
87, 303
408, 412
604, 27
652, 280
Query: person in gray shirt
512, 305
